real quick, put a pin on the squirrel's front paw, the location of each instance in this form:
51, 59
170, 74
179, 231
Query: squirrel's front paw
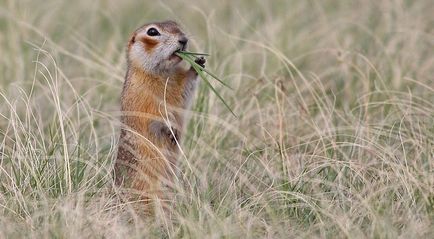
162, 131
173, 135
200, 61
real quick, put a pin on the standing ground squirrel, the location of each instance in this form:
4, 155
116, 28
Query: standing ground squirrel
155, 96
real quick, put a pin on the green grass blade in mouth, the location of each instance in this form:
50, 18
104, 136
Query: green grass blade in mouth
203, 76
200, 70
193, 53
186, 56
215, 77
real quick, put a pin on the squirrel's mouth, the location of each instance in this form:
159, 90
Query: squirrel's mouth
175, 57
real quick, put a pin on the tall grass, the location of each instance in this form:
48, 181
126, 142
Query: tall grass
334, 135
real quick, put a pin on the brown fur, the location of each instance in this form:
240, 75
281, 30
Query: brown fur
149, 44
146, 162
132, 40
142, 101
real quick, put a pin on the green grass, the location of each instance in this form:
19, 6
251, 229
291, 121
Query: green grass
334, 134
204, 73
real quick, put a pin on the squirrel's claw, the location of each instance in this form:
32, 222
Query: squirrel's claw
161, 130
172, 134
200, 61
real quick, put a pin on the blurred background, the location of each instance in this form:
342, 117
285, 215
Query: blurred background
334, 135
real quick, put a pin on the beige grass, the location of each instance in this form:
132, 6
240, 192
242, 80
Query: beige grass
334, 136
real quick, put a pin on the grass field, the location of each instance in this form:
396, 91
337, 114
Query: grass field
334, 136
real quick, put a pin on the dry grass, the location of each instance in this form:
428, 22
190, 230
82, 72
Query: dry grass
334, 136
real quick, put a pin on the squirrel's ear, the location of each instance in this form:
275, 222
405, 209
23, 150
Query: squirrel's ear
132, 40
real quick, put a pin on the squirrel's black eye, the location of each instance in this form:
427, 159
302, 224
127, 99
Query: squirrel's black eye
152, 32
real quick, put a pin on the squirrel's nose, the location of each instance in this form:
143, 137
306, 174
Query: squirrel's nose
183, 41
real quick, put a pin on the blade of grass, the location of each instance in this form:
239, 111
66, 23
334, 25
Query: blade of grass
215, 77
194, 53
200, 71
191, 61
214, 90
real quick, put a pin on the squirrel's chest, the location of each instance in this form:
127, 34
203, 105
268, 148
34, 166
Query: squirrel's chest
166, 103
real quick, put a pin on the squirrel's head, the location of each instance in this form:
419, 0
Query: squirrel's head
152, 47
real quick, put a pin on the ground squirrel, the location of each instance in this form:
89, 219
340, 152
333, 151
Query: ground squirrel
156, 93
